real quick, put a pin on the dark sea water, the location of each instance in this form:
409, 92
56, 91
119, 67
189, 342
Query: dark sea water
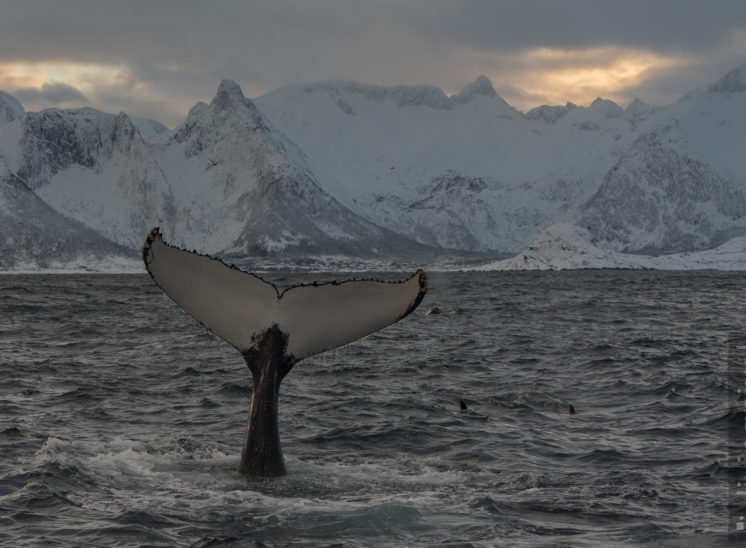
122, 419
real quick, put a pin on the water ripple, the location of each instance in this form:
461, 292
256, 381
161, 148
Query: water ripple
597, 414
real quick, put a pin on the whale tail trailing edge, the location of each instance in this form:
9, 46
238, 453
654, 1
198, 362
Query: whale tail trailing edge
239, 306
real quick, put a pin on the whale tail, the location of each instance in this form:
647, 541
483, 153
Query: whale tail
238, 306
274, 330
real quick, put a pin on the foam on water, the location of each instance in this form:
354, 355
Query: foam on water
200, 485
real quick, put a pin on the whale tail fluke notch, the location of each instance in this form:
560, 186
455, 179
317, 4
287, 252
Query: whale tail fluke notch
237, 305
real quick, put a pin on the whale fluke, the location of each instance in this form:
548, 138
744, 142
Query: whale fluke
273, 330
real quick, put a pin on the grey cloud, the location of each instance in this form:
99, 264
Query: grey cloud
513, 94
227, 31
54, 93
182, 48
665, 25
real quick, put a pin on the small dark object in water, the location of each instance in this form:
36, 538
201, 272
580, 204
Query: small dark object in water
572, 409
463, 405
432, 310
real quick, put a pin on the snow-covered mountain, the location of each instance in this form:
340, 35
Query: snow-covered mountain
34, 236
225, 182
10, 108
567, 247
92, 167
662, 196
473, 173
469, 172
242, 188
349, 169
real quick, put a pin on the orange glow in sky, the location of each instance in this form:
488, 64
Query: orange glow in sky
80, 76
525, 79
92, 80
556, 76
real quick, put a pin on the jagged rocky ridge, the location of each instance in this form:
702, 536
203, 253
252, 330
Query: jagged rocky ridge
356, 170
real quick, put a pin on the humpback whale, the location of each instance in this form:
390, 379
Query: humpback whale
272, 330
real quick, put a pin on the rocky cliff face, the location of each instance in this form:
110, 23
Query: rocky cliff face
92, 167
661, 198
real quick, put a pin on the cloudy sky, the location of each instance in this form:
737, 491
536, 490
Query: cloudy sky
157, 58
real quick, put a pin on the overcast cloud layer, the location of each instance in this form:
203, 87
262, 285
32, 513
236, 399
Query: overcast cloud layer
156, 59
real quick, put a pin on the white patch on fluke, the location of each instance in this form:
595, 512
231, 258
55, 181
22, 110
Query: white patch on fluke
237, 305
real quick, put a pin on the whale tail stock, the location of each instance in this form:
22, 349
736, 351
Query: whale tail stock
273, 330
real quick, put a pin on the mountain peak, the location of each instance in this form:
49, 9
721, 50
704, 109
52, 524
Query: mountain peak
550, 114
230, 87
481, 86
10, 108
733, 82
229, 94
638, 110
608, 107
229, 113
197, 109
636, 103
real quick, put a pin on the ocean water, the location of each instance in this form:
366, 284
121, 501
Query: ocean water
122, 419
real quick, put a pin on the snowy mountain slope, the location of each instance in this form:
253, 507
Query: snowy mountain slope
637, 112
10, 108
242, 188
34, 236
714, 124
380, 156
562, 246
225, 181
151, 131
473, 173
661, 197
457, 211
93, 167
550, 114
681, 185
565, 247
